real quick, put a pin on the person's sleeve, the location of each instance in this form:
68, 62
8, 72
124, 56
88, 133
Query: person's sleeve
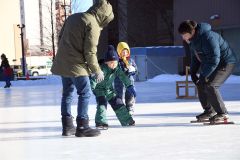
123, 77
195, 62
90, 48
134, 65
211, 49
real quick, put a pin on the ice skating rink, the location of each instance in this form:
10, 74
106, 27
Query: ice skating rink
30, 127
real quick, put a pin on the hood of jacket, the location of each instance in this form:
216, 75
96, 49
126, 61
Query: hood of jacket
103, 12
121, 46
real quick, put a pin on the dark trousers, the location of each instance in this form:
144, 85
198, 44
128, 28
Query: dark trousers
115, 102
209, 95
119, 88
7, 80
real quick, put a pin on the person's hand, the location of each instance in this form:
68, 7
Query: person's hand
131, 90
99, 77
131, 69
195, 78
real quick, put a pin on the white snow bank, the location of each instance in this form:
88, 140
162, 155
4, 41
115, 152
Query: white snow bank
174, 77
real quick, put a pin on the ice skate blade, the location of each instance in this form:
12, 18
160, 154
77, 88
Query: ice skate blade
102, 128
199, 121
219, 123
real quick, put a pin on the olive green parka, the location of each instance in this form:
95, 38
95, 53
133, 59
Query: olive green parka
78, 40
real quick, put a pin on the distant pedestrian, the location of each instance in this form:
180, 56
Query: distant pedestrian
76, 59
215, 59
7, 70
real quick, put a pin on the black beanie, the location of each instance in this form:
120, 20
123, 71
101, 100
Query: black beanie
111, 54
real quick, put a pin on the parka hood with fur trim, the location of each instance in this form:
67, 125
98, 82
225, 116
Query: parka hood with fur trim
103, 12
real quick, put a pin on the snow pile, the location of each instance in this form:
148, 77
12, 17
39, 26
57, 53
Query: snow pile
174, 77
167, 78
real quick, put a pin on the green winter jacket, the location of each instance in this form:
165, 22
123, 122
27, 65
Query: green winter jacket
78, 40
105, 88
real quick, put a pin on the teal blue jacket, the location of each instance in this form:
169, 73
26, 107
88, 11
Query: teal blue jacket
212, 50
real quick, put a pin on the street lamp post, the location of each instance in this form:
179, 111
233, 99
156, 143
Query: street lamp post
23, 53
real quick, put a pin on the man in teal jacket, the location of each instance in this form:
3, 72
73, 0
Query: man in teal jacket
215, 59
105, 92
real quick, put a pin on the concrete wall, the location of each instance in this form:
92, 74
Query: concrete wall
201, 11
228, 24
10, 17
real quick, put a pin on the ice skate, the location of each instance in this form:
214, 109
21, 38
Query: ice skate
204, 117
101, 126
219, 119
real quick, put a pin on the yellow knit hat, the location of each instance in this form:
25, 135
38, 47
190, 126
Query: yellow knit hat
121, 46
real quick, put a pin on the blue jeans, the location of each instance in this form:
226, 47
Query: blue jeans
82, 85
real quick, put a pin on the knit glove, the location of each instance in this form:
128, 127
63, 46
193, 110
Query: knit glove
99, 77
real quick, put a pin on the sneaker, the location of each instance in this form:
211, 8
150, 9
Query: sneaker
205, 115
101, 126
219, 118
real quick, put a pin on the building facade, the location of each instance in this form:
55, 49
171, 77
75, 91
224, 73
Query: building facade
10, 41
221, 14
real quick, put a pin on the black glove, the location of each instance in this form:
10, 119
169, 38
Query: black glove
195, 78
131, 90
202, 81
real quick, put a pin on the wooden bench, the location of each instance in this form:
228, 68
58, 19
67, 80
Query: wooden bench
186, 85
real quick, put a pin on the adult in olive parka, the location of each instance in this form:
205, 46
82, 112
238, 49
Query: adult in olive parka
76, 59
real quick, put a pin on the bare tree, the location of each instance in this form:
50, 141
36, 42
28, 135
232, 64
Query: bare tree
52, 29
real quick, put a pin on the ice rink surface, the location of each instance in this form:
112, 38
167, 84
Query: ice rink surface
30, 127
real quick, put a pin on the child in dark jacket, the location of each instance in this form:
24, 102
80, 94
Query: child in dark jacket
104, 92
130, 68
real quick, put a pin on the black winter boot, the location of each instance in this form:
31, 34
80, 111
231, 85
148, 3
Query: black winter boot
68, 127
124, 116
83, 129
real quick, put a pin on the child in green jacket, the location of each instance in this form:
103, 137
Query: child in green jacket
104, 91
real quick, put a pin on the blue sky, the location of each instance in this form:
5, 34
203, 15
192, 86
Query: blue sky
81, 5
